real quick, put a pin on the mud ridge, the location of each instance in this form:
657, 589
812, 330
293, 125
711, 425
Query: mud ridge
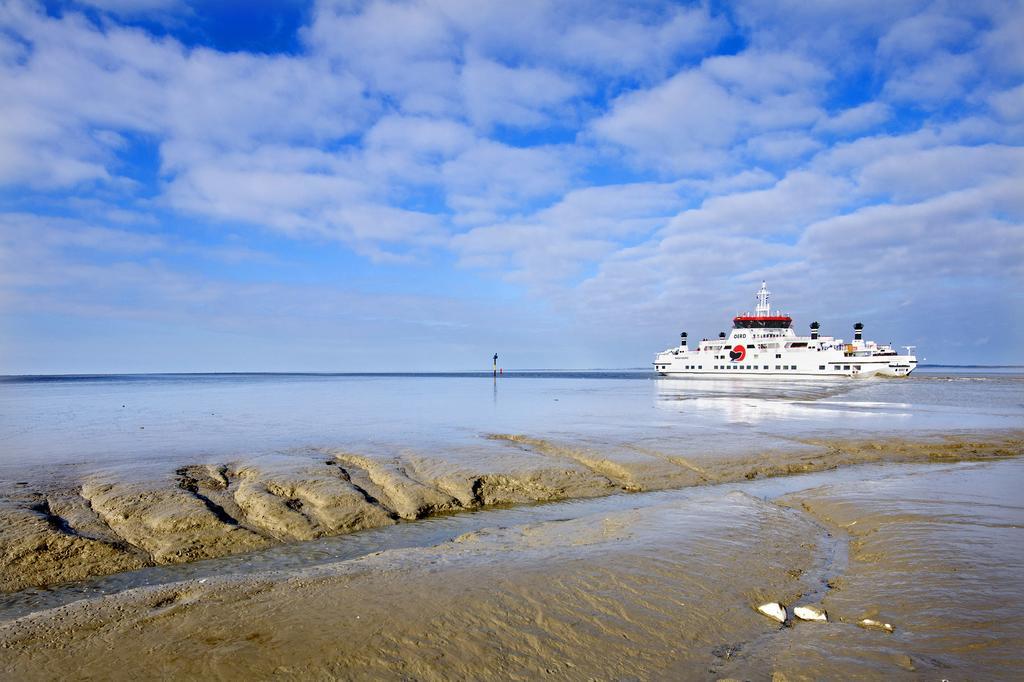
190, 484
615, 473
391, 485
58, 523
201, 511
370, 499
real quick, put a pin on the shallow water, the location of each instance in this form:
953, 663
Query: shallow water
80, 424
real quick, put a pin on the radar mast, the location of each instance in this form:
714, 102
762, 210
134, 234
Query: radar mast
762, 300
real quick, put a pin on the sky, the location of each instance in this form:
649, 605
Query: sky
414, 186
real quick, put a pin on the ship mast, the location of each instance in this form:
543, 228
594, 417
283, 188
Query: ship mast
762, 300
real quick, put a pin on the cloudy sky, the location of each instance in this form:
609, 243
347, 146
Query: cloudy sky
187, 186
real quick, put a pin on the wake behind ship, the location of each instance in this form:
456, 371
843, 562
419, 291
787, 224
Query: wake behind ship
764, 344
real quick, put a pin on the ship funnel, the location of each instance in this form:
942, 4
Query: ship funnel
814, 330
858, 332
682, 339
721, 335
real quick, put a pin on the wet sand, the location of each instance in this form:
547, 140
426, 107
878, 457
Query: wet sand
633, 593
111, 522
663, 589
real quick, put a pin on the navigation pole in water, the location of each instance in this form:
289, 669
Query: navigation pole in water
495, 366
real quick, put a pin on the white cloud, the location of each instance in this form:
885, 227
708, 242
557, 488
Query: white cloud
968, 232
490, 179
1009, 104
918, 174
402, 50
132, 8
782, 209
785, 146
942, 78
690, 122
497, 94
920, 35
618, 44
856, 119
553, 245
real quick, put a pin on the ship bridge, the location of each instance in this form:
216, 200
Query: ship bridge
762, 322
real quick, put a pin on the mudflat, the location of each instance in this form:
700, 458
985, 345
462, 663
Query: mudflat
106, 524
654, 586
599, 526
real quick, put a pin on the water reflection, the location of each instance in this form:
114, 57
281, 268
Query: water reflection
767, 400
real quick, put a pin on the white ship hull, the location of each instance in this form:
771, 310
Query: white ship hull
764, 345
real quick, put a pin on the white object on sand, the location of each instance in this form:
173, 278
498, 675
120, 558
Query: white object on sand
875, 625
810, 613
773, 610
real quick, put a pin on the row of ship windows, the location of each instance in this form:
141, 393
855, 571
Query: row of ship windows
781, 367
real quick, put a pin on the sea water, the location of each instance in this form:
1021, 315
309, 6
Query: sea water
77, 424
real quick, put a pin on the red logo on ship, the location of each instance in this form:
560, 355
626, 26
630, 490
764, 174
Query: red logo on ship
737, 353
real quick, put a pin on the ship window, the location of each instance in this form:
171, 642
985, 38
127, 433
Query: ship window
700, 366
766, 366
777, 367
856, 366
846, 367
778, 356
821, 366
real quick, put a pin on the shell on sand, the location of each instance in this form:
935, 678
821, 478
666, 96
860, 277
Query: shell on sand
773, 610
808, 612
875, 625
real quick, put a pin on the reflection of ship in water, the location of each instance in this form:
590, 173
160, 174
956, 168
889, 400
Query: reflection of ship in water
769, 401
764, 344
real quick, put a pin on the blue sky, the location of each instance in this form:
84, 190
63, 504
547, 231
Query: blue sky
344, 186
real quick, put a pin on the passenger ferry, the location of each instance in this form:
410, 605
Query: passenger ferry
764, 344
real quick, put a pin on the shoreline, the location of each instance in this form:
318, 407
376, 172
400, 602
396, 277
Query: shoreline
103, 525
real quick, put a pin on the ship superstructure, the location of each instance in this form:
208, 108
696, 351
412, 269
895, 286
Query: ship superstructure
764, 344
